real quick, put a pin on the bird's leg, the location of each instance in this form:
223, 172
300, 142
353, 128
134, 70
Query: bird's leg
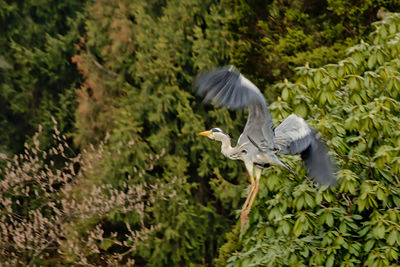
243, 214
255, 191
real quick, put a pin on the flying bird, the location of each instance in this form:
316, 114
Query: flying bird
259, 144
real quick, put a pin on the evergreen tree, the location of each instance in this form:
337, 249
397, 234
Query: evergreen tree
138, 67
37, 78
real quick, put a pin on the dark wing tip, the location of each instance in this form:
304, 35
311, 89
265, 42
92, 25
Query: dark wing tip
221, 86
318, 163
210, 78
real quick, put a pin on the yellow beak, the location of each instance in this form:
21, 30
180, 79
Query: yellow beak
205, 133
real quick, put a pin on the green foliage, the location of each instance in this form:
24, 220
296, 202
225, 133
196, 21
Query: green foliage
271, 38
37, 79
159, 195
355, 105
138, 87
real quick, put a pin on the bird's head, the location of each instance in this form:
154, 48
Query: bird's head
215, 134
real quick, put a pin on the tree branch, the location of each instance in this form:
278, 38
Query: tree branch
354, 160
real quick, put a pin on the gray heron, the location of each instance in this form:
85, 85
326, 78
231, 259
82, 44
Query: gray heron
259, 144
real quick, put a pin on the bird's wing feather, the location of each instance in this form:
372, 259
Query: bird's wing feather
292, 136
295, 136
227, 87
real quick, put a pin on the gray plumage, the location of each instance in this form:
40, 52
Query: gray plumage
227, 87
294, 136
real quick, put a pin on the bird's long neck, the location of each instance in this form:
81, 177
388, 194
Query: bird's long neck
226, 147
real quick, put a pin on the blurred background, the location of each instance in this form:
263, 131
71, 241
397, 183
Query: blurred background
101, 164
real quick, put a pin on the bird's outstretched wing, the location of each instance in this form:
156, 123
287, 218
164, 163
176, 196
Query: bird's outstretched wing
227, 87
294, 136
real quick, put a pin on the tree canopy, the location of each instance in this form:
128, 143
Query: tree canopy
101, 164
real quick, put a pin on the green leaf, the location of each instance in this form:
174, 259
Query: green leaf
361, 204
301, 110
285, 94
305, 252
300, 203
322, 98
368, 246
318, 198
392, 238
286, 227
393, 253
328, 197
379, 231
298, 228
383, 31
309, 200
366, 81
353, 250
330, 97
392, 28
329, 219
310, 83
330, 261
351, 123
396, 201
380, 194
380, 57
343, 227
317, 77
364, 231
353, 83
356, 98
372, 60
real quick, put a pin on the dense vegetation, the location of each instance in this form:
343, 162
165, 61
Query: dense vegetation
99, 155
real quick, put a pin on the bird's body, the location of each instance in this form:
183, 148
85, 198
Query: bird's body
259, 145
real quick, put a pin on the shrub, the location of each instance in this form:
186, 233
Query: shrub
47, 205
355, 105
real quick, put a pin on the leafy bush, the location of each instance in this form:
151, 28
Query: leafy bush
270, 38
355, 105
47, 205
